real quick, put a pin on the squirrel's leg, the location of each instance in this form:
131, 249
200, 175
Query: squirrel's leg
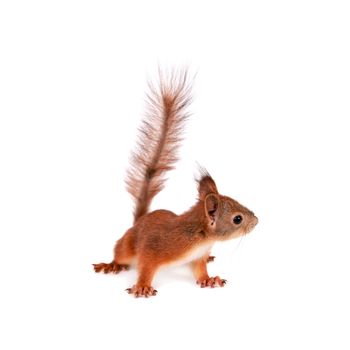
201, 274
124, 253
143, 287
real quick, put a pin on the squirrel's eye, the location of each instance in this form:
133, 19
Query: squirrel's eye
237, 219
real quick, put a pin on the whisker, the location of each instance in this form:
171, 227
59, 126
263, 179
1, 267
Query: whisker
239, 243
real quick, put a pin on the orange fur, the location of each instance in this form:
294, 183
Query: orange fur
161, 237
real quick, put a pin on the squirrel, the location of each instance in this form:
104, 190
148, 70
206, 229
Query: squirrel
161, 237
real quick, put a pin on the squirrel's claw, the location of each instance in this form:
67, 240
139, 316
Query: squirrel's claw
212, 282
110, 268
140, 291
210, 258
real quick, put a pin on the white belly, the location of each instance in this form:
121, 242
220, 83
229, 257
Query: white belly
194, 254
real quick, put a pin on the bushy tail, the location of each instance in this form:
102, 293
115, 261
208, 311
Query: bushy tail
159, 139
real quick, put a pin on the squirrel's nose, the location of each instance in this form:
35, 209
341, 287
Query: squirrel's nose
254, 222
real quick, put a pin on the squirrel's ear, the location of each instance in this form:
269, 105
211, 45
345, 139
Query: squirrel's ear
206, 185
211, 204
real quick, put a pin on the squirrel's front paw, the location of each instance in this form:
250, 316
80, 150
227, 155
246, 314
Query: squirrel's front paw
212, 282
141, 291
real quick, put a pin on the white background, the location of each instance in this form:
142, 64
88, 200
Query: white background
270, 123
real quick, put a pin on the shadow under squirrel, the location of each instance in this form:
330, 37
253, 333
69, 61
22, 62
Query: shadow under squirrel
161, 237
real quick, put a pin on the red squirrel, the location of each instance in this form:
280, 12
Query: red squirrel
160, 237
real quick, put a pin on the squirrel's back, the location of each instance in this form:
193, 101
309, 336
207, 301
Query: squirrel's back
159, 139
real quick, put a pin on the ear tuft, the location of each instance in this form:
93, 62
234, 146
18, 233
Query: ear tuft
206, 185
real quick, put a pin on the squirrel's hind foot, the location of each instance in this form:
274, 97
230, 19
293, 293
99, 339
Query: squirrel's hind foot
110, 268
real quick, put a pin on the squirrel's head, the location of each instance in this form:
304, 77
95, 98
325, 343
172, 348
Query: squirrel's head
226, 218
